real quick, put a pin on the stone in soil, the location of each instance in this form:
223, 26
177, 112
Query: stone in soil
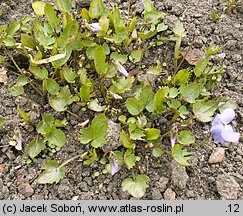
217, 155
25, 189
179, 176
169, 194
227, 187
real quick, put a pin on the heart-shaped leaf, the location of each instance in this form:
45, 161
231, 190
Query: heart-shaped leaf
204, 110
35, 147
180, 155
134, 106
136, 187
185, 137
53, 172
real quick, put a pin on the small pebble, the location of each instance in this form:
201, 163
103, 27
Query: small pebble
217, 156
169, 194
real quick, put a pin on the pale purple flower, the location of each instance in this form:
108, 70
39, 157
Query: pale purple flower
114, 167
116, 96
221, 130
95, 27
120, 68
172, 141
19, 144
221, 55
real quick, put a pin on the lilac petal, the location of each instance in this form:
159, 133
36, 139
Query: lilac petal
229, 134
227, 116
216, 121
95, 27
19, 144
173, 140
216, 132
114, 167
120, 68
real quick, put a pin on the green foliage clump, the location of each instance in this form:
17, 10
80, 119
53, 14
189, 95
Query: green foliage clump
81, 61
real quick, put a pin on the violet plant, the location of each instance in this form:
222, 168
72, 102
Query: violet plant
96, 63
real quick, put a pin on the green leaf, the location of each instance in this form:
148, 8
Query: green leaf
16, 90
120, 28
125, 139
157, 152
147, 97
52, 173
134, 106
190, 92
152, 133
85, 93
51, 16
213, 50
119, 57
69, 74
93, 105
39, 72
13, 28
180, 155
104, 24
159, 98
56, 137
23, 114
183, 112
1, 121
174, 104
91, 157
201, 66
136, 187
185, 137
85, 14
62, 61
214, 16
99, 59
181, 77
147, 34
130, 158
39, 7
28, 41
9, 41
22, 81
96, 132
133, 24
150, 12
179, 30
204, 110
61, 100
51, 86
45, 126
136, 56
124, 84
161, 27
63, 5
35, 147
137, 134
97, 9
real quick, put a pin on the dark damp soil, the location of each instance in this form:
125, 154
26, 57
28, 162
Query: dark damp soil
203, 180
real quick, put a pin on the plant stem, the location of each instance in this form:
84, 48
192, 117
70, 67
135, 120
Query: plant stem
177, 53
19, 69
73, 158
73, 114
